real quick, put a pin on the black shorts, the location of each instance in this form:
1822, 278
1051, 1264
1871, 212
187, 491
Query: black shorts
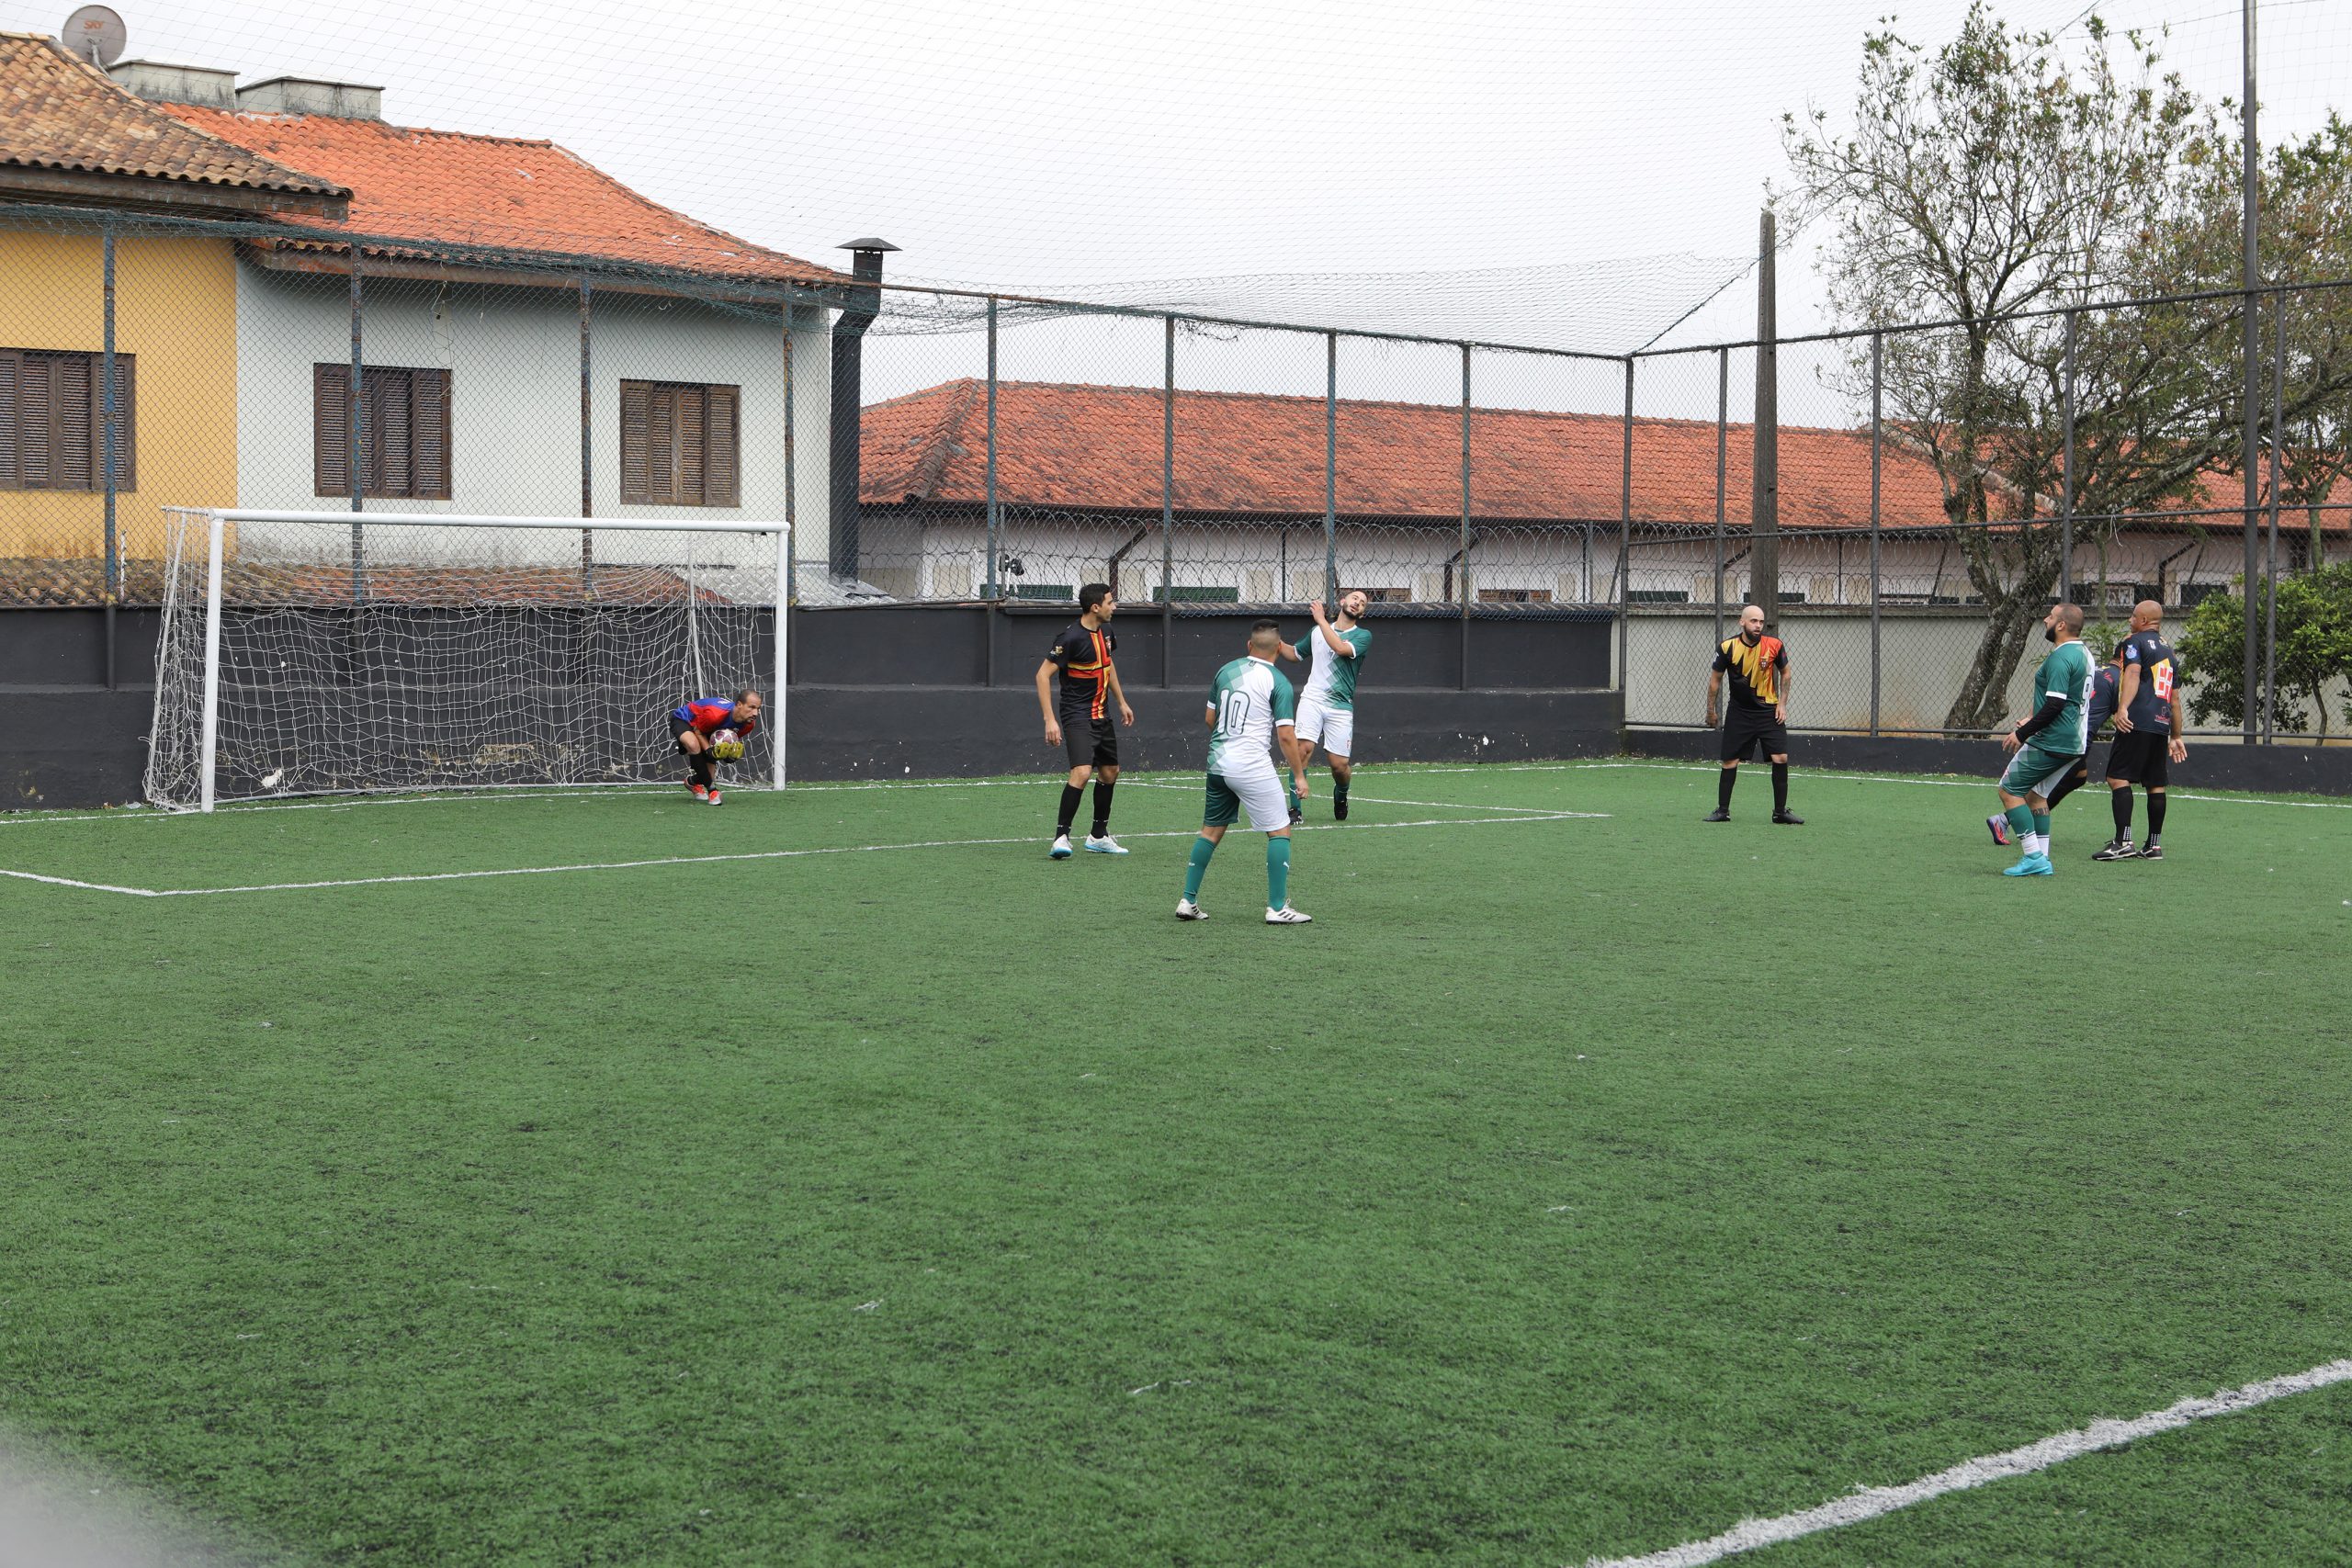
1747, 730
2142, 757
1089, 742
679, 730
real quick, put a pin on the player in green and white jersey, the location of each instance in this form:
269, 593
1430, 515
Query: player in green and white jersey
1251, 707
1327, 710
2048, 741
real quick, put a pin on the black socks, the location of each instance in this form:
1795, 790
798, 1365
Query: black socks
701, 766
2156, 815
1780, 787
1722, 788
1071, 794
1103, 788
2121, 800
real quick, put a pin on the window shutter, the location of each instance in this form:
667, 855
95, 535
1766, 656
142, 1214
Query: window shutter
722, 462
34, 445
389, 470
662, 450
69, 421
125, 421
429, 428
12, 375
637, 435
330, 430
691, 456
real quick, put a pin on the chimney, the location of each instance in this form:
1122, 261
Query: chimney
303, 95
849, 336
161, 84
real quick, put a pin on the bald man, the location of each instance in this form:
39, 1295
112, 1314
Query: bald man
1758, 717
2148, 732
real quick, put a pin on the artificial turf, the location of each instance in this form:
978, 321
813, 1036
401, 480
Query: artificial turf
1573, 1186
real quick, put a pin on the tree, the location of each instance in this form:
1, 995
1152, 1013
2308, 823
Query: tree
2314, 650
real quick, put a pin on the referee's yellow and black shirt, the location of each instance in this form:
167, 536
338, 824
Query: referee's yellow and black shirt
1083, 654
1755, 670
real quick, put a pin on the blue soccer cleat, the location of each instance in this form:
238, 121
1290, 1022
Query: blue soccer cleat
2000, 825
2031, 866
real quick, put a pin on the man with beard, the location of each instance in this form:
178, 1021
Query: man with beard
1758, 717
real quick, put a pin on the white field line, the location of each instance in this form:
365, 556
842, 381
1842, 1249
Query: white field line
1195, 788
746, 855
1834, 776
1749, 1534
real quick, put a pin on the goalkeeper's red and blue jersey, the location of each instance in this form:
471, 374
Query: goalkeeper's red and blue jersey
711, 715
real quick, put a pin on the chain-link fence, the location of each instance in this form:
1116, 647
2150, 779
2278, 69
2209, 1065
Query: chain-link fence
1920, 497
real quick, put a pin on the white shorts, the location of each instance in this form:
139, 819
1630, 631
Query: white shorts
1261, 794
1333, 729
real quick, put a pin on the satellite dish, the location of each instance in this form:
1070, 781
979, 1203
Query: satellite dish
96, 34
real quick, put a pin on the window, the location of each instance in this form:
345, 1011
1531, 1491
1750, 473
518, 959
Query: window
403, 432
1179, 594
1054, 593
1662, 596
52, 421
1514, 596
1386, 595
679, 443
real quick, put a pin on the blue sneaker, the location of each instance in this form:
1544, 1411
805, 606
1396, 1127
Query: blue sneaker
2000, 825
2031, 866
1061, 848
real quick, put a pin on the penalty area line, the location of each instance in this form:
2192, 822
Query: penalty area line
1872, 1502
739, 856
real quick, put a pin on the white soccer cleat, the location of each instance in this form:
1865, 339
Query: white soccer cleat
1105, 845
1061, 850
1286, 915
1188, 910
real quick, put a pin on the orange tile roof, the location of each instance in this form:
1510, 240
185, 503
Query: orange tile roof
445, 188
63, 114
1099, 448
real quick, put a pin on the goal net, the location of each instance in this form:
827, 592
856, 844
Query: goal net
326, 653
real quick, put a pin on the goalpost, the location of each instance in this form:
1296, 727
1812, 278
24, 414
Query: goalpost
351, 652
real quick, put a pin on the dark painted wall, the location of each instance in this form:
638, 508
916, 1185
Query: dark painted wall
2271, 770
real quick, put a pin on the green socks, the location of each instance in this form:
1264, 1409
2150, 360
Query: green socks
1293, 799
1277, 874
2041, 822
1202, 849
2020, 817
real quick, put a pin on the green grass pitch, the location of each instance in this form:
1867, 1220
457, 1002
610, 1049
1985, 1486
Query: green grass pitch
1575, 1186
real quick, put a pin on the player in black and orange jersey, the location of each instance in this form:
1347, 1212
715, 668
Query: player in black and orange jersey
1080, 722
1757, 715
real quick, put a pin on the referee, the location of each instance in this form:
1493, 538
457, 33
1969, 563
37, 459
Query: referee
1758, 717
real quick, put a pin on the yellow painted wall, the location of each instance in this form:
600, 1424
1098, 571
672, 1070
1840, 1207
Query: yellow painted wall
176, 308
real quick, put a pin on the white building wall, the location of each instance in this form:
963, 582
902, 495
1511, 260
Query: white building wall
513, 355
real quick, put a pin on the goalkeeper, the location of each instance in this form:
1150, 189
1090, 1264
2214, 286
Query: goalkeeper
711, 731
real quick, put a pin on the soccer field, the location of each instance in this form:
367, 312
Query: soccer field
830, 1178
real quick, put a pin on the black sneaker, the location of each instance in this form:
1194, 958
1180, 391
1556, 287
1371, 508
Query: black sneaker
2117, 848
1787, 819
2150, 852
1718, 814
1339, 808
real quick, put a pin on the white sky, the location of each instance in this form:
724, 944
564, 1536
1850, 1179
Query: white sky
1029, 143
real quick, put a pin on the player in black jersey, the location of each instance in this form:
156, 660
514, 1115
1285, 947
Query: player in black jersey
1080, 722
1758, 716
2147, 731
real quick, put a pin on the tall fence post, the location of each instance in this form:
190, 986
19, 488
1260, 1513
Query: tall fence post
2270, 572
995, 512
111, 416
587, 472
791, 588
1625, 536
1878, 450
355, 439
2066, 476
1764, 544
2250, 150
1330, 466
1722, 456
1167, 497
1462, 557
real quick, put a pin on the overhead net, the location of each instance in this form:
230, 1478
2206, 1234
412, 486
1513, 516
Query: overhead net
358, 657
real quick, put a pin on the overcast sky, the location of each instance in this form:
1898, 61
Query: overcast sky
1027, 143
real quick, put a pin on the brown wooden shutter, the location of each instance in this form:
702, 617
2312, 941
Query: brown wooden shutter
73, 457
330, 430
125, 421
722, 462
429, 428
35, 444
637, 436
389, 471
662, 449
12, 375
690, 455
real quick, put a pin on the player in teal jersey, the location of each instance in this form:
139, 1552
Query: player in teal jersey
2047, 742
1327, 710
1251, 707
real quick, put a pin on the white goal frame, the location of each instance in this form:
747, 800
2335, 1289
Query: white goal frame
217, 518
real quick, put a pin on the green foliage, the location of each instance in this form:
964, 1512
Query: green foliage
2314, 650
